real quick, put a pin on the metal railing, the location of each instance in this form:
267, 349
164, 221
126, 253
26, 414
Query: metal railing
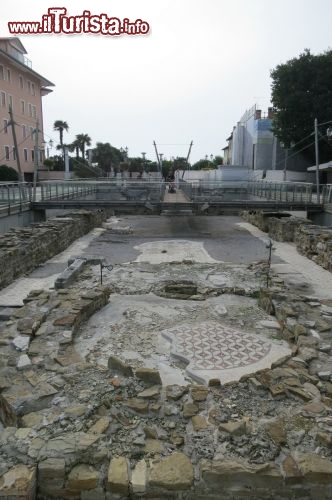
327, 194
203, 190
106, 190
64, 190
282, 191
14, 196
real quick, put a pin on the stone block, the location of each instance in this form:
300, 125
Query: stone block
51, 469
219, 474
118, 477
314, 468
172, 473
83, 477
148, 375
118, 366
19, 482
139, 477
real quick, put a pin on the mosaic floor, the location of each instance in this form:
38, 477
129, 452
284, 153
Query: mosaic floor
213, 350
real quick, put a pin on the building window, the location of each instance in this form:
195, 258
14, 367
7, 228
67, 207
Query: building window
5, 126
34, 111
31, 132
21, 83
22, 107
25, 152
10, 102
30, 109
32, 155
9, 76
33, 89
3, 99
29, 87
14, 153
2, 74
24, 131
7, 152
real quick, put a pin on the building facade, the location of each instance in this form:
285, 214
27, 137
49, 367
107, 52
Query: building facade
21, 89
254, 146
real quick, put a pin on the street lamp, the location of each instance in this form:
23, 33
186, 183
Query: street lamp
286, 146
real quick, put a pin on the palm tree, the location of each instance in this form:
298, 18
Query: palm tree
60, 126
83, 140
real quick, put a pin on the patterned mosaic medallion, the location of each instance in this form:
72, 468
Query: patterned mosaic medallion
212, 346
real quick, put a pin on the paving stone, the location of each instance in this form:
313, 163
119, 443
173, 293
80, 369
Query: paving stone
172, 473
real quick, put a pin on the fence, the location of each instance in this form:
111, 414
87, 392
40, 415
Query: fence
202, 190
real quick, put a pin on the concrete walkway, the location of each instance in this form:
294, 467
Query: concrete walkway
178, 197
297, 267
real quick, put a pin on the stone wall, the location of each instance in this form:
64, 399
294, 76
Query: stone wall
315, 242
23, 249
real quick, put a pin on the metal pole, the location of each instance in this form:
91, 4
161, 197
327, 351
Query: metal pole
317, 160
12, 124
285, 166
66, 160
35, 170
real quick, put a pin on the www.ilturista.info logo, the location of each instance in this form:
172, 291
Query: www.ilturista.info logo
56, 22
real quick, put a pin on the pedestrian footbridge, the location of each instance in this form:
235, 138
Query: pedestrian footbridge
153, 197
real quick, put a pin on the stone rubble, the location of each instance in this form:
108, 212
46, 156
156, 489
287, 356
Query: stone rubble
74, 428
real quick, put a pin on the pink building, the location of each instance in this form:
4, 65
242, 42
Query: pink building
22, 89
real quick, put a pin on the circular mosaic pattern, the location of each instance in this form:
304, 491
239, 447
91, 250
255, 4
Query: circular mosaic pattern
210, 346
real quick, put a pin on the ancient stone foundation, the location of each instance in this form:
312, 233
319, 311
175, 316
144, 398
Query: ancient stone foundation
73, 430
315, 242
23, 249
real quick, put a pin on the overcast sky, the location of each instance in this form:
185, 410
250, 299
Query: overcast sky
192, 77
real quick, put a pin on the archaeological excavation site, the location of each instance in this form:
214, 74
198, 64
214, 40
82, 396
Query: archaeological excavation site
156, 357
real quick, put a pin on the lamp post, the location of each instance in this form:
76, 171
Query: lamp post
143, 156
317, 160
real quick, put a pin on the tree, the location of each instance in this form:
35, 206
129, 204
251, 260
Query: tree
106, 156
204, 165
60, 126
301, 92
82, 140
8, 173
